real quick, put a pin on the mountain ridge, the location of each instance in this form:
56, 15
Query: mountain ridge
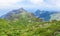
46, 15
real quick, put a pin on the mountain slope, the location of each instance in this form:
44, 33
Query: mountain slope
23, 14
20, 14
46, 15
55, 16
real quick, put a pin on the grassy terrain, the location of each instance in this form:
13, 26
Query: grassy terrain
25, 28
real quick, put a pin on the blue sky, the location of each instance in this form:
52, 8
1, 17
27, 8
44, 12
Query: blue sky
7, 5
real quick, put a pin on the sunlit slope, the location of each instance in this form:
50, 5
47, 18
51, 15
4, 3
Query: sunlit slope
25, 28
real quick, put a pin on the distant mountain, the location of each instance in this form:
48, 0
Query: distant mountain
16, 14
46, 15
23, 14
55, 16
19, 14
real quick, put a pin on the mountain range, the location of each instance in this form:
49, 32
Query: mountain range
46, 15
22, 13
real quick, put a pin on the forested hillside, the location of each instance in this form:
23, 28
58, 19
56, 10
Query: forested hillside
25, 28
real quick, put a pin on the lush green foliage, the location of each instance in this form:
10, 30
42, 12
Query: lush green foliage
25, 28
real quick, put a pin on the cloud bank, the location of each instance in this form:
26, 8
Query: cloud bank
31, 4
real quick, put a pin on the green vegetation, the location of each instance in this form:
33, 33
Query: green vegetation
25, 28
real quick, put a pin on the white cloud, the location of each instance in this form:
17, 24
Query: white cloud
54, 2
8, 3
46, 4
36, 2
49, 4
